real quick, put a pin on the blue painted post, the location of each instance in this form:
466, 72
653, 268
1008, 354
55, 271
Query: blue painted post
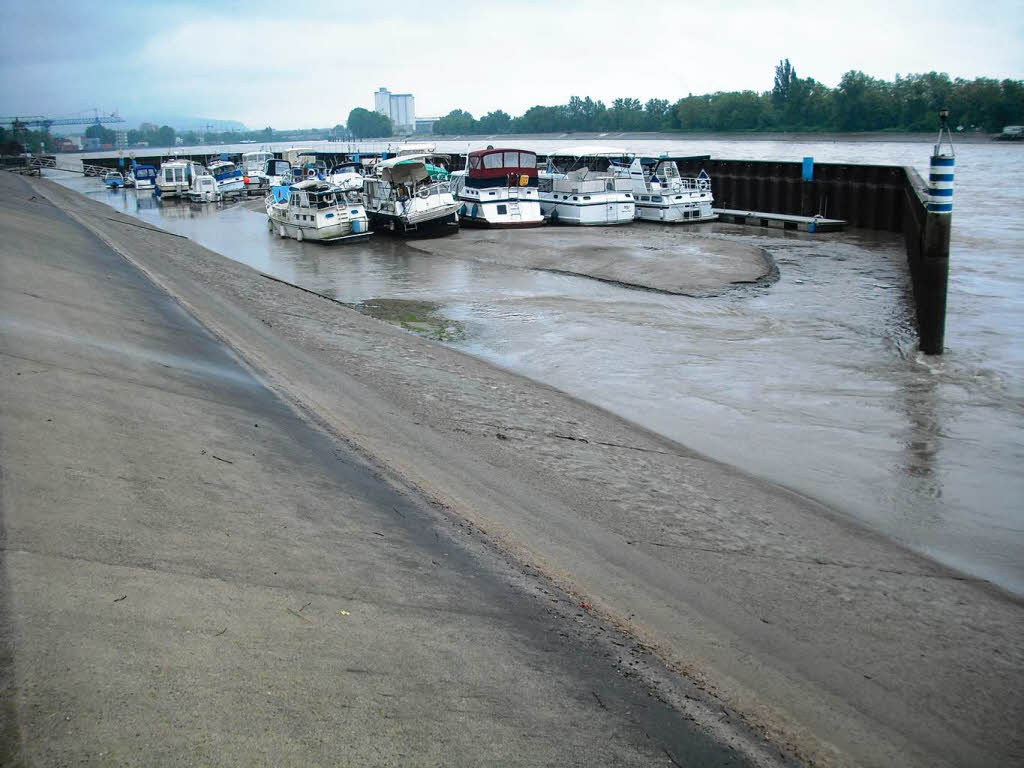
807, 197
932, 278
808, 169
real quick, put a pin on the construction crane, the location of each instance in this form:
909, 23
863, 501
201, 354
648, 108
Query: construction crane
39, 121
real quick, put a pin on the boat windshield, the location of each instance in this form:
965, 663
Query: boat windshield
145, 172
322, 199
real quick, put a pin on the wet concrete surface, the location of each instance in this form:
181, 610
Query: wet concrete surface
193, 574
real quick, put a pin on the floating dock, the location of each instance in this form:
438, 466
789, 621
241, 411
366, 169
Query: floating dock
780, 220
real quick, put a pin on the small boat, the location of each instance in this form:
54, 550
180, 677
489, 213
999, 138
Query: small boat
175, 177
404, 198
278, 173
317, 210
229, 178
113, 179
143, 176
346, 176
662, 194
587, 185
498, 189
253, 174
204, 189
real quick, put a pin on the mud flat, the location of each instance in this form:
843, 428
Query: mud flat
667, 259
834, 643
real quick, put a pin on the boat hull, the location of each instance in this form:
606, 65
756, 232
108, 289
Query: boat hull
681, 212
601, 211
331, 233
500, 214
440, 219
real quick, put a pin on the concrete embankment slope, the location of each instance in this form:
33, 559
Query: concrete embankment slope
194, 575
833, 641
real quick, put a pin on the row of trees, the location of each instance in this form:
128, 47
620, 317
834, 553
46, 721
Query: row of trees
858, 103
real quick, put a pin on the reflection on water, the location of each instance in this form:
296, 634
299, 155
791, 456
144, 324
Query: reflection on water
812, 381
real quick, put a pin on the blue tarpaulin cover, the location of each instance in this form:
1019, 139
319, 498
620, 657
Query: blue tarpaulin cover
281, 194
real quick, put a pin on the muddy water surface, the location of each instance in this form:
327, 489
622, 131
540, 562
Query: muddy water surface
812, 381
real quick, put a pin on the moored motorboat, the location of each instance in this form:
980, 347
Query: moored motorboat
253, 171
203, 189
498, 189
113, 180
663, 195
403, 197
228, 177
143, 176
278, 173
346, 176
317, 210
587, 185
175, 177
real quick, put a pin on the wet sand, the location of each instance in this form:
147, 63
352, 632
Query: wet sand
831, 640
673, 259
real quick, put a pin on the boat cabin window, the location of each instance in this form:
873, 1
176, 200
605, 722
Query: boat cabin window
493, 161
474, 162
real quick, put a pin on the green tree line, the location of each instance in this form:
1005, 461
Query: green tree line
858, 103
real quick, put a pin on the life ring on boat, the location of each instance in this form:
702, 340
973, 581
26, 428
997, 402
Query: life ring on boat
703, 185
424, 193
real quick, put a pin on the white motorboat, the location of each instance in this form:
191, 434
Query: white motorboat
143, 176
253, 170
317, 210
498, 189
204, 189
229, 178
175, 177
346, 176
403, 197
585, 185
662, 194
278, 173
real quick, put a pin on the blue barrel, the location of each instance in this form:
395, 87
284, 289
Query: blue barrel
940, 184
357, 226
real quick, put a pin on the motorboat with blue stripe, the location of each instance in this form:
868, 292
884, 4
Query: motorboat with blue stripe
663, 195
498, 189
113, 180
317, 210
227, 175
403, 197
587, 185
143, 176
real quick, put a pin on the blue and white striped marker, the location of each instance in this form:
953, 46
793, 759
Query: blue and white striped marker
940, 184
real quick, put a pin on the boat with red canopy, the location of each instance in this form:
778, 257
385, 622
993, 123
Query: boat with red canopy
498, 189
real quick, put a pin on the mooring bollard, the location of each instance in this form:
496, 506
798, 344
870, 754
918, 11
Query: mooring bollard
930, 283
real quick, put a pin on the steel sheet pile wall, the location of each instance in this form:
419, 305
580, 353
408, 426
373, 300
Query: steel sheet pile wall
880, 197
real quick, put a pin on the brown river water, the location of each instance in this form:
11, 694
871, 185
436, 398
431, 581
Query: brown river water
812, 381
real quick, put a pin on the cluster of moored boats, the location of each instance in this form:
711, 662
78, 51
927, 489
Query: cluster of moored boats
499, 187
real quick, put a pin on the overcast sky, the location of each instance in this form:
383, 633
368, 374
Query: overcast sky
304, 64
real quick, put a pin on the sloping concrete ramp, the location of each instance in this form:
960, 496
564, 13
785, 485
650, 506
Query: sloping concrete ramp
194, 575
